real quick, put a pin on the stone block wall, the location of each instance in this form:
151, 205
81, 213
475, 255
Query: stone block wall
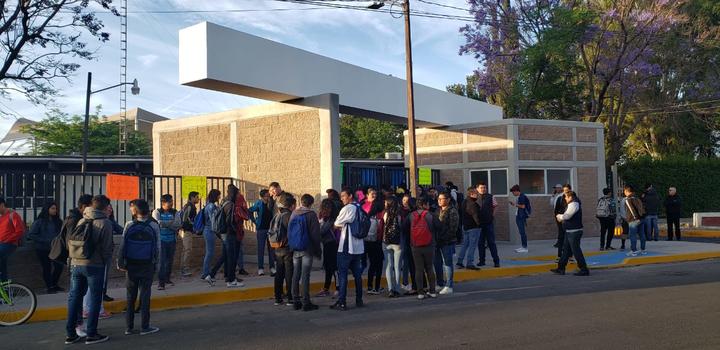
200, 150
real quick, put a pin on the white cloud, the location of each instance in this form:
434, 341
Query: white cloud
147, 60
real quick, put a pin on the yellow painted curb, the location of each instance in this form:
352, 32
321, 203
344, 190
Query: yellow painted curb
553, 257
230, 296
696, 233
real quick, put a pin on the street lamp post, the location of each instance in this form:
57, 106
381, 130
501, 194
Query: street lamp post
135, 91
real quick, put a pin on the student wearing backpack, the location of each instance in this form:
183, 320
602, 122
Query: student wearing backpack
572, 223
634, 213
139, 259
12, 229
224, 225
329, 236
202, 223
169, 222
446, 240
46, 227
350, 248
90, 247
392, 235
423, 226
240, 215
522, 212
304, 240
471, 231
278, 238
373, 207
261, 214
189, 212
486, 204
606, 213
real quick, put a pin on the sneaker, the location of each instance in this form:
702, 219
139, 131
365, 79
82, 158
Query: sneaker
80, 330
235, 284
632, 253
373, 292
432, 295
446, 291
323, 293
558, 271
411, 292
480, 264
582, 273
393, 294
97, 338
272, 272
186, 273
72, 340
297, 305
129, 331
496, 265
278, 302
290, 303
643, 252
161, 286
572, 260
209, 280
261, 272
602, 249
171, 283
609, 248
150, 330
359, 303
243, 272
108, 298
406, 287
104, 315
472, 267
310, 307
339, 306
521, 250
557, 260
421, 296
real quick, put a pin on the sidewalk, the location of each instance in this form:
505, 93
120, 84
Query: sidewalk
192, 292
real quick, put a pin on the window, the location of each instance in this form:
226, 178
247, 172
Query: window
496, 179
542, 181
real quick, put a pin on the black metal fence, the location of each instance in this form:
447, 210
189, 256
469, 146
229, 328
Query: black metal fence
28, 192
379, 175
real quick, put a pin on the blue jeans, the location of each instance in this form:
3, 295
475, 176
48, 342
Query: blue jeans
262, 242
349, 262
84, 279
652, 230
239, 255
444, 268
167, 255
393, 252
634, 233
521, 223
302, 265
209, 251
470, 242
6, 249
487, 237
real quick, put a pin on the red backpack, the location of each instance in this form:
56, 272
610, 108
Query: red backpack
420, 235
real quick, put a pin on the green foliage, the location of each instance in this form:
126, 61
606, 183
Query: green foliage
697, 181
60, 133
369, 138
469, 89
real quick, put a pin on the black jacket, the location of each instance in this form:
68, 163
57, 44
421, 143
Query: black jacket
651, 202
471, 214
673, 206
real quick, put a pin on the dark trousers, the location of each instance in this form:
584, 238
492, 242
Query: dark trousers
607, 228
284, 273
6, 249
571, 247
167, 255
423, 257
349, 262
375, 255
51, 269
227, 259
560, 237
330, 263
673, 223
139, 280
408, 268
487, 238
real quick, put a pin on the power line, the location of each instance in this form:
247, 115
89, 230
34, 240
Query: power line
662, 109
443, 5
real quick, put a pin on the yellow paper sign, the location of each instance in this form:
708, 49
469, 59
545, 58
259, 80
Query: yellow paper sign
425, 176
194, 184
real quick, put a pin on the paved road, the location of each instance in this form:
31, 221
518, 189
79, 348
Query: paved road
673, 306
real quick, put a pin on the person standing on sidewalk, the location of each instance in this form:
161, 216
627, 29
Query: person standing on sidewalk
139, 258
392, 235
634, 211
90, 247
169, 223
522, 213
261, 214
12, 229
572, 223
606, 212
209, 234
304, 239
446, 240
651, 203
330, 237
350, 250
241, 214
556, 201
424, 227
189, 212
46, 227
486, 212
278, 237
225, 226
673, 210
471, 230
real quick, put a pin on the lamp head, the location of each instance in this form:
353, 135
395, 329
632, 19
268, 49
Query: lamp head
135, 89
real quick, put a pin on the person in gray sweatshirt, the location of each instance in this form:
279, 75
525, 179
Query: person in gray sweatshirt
87, 268
303, 256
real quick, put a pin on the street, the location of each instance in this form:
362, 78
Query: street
669, 306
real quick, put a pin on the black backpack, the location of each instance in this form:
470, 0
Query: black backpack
360, 227
80, 241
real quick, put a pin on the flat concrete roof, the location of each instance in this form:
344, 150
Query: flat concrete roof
223, 59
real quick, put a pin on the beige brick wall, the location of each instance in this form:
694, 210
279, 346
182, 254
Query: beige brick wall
487, 155
545, 133
541, 224
454, 175
502, 228
201, 151
586, 153
434, 158
586, 135
543, 152
439, 138
588, 192
487, 134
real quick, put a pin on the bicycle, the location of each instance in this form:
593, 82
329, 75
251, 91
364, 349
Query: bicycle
17, 303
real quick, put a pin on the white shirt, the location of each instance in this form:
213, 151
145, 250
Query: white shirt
554, 199
347, 216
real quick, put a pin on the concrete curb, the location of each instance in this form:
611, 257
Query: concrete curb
261, 293
697, 233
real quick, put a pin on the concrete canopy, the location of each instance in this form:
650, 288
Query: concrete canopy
222, 59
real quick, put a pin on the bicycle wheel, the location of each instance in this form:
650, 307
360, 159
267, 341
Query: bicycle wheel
19, 306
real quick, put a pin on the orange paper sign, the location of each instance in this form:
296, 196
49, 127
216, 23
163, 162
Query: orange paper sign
122, 187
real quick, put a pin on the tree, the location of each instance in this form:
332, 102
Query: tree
60, 133
369, 138
38, 39
469, 89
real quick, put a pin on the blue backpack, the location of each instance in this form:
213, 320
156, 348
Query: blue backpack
140, 243
298, 235
199, 223
528, 207
360, 227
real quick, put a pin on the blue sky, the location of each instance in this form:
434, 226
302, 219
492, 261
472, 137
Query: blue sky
369, 39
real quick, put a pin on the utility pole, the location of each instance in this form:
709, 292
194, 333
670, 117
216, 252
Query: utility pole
83, 168
410, 101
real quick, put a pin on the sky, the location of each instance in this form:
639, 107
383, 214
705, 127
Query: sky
372, 40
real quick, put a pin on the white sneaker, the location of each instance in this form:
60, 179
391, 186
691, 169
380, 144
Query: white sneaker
261, 272
446, 291
632, 253
80, 330
209, 280
273, 271
421, 296
235, 284
521, 250
432, 295
643, 252
517, 250
405, 287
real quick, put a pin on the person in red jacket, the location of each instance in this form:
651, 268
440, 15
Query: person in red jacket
241, 214
12, 229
